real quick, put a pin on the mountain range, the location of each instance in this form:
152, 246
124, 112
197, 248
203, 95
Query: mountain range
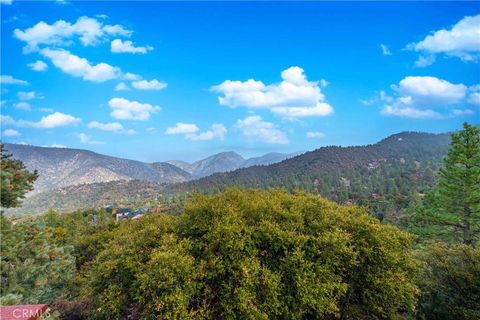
63, 167
388, 172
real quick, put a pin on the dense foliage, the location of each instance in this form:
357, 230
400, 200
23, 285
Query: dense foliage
257, 255
16, 181
450, 282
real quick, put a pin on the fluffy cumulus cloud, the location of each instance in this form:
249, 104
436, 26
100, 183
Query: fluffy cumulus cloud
57, 119
80, 67
293, 97
315, 135
6, 79
89, 31
149, 85
190, 131
462, 40
114, 127
120, 46
425, 97
54, 120
131, 110
11, 133
255, 127
38, 65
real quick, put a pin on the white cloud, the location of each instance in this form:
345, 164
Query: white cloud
80, 67
474, 98
11, 133
46, 109
119, 46
294, 97
112, 127
131, 76
385, 50
85, 139
57, 119
131, 110
423, 97
6, 2
149, 85
122, 86
190, 131
22, 95
323, 83
7, 120
255, 127
22, 106
431, 90
217, 130
409, 112
38, 65
315, 135
182, 128
462, 40
425, 61
89, 31
6, 79
54, 120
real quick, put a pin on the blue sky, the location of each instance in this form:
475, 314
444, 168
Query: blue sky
156, 81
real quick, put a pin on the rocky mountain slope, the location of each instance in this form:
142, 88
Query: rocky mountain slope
62, 167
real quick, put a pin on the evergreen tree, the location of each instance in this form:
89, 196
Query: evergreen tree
453, 206
16, 180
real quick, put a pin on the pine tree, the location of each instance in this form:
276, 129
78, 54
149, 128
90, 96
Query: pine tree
456, 198
16, 180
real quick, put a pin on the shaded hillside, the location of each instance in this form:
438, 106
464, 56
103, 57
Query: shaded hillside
61, 167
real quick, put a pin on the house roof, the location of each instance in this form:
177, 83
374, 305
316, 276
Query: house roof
23, 312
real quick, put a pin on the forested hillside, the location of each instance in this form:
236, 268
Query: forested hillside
385, 176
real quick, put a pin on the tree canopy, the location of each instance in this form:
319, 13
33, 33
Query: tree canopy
256, 255
16, 180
